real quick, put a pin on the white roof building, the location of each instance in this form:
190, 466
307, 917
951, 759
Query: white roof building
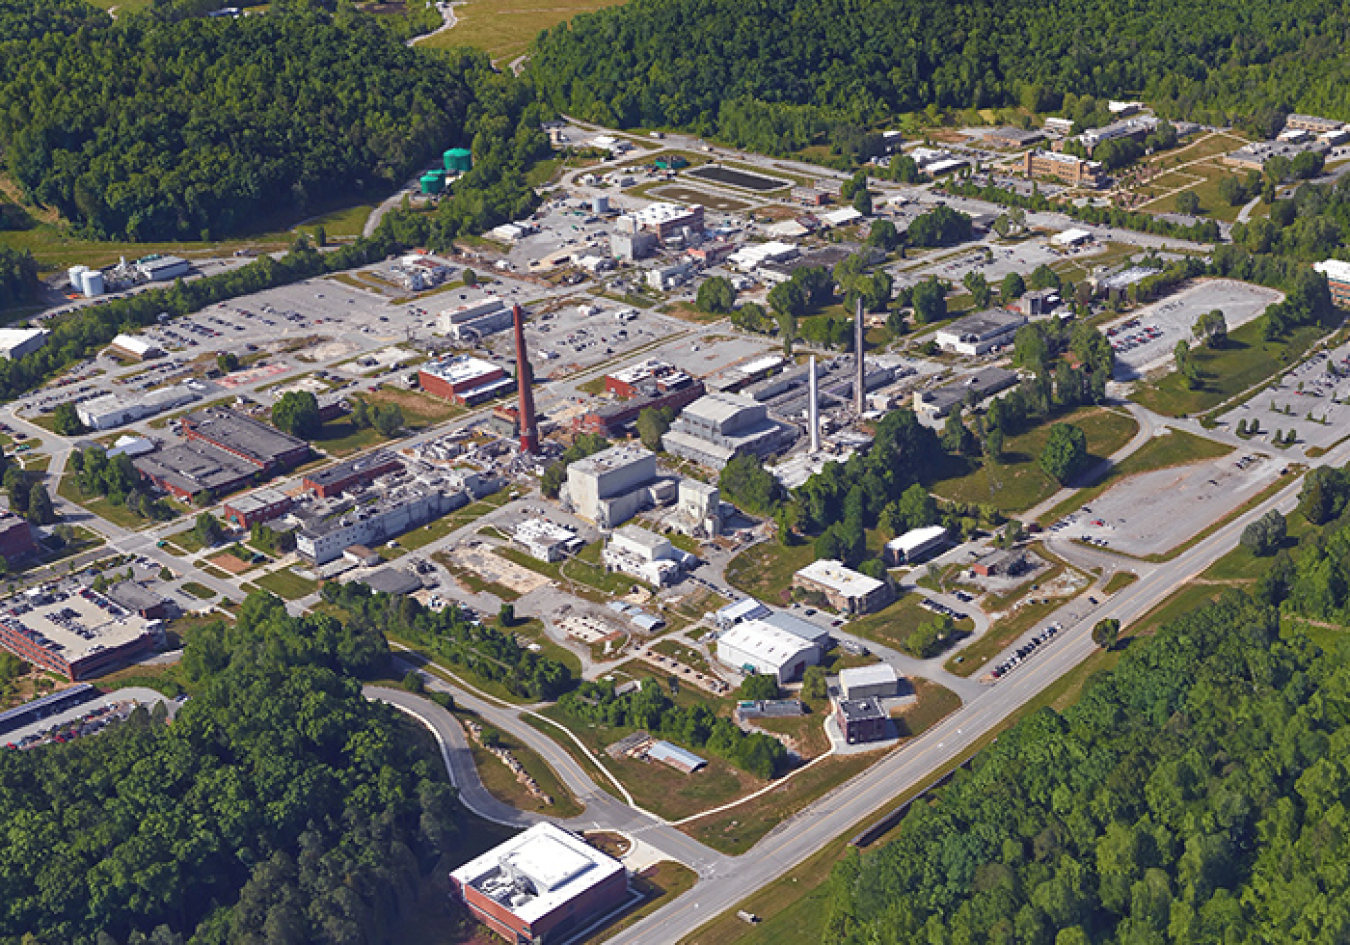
864, 682
841, 217
758, 647
545, 540
1071, 237
915, 543
137, 347
17, 342
1336, 270
753, 255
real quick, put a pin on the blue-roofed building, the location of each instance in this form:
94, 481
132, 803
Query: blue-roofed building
676, 757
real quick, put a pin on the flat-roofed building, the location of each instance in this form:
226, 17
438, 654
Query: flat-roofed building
667, 220
190, 469
812, 633
1313, 123
264, 447
862, 720
1065, 167
757, 647
720, 425
109, 411
541, 885
1010, 137
915, 544
739, 612
610, 487
335, 480
17, 342
475, 320
16, 537
1338, 279
261, 505
938, 402
139, 599
848, 591
135, 348
879, 681
643, 554
163, 268
76, 635
980, 333
545, 540
464, 379
328, 531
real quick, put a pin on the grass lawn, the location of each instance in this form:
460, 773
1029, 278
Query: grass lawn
502, 784
342, 438
892, 625
659, 883
419, 410
420, 537
199, 591
934, 704
69, 490
1245, 361
217, 573
471, 580
532, 631
1177, 448
1017, 483
1119, 581
504, 30
765, 570
287, 585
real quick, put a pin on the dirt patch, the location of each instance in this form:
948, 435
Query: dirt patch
480, 559
231, 563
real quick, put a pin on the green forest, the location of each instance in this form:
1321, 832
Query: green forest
160, 127
1196, 793
777, 74
278, 806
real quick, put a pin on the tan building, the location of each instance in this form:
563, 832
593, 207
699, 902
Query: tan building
848, 591
1065, 167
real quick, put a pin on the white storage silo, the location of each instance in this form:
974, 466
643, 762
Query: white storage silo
75, 273
91, 282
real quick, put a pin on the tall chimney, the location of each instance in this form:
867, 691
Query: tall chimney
529, 429
859, 342
813, 409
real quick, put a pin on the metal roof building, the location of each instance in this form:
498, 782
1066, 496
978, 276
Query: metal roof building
758, 647
863, 682
915, 543
676, 757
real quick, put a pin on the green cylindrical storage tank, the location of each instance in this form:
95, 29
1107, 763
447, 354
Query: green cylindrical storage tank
433, 183
459, 160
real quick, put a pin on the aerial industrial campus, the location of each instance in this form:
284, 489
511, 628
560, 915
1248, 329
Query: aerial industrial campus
771, 511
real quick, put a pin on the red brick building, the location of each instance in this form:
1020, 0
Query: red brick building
260, 506
264, 447
463, 379
543, 885
76, 635
336, 480
16, 537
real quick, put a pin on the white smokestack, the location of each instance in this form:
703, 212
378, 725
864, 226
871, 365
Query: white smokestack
813, 409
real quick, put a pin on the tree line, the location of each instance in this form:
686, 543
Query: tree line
279, 805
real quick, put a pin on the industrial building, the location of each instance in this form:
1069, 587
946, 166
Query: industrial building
16, 537
1338, 280
670, 392
135, 348
1065, 167
263, 505
718, 426
879, 681
474, 321
632, 245
937, 403
1010, 137
1255, 156
264, 447
75, 635
980, 333
464, 379
675, 757
862, 720
847, 591
644, 555
812, 633
542, 885
667, 222
739, 612
17, 342
190, 469
1313, 123
613, 485
915, 545
140, 600
328, 530
114, 410
1136, 128
757, 647
162, 268
698, 509
353, 474
545, 540
753, 255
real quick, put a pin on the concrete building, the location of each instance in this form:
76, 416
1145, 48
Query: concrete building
667, 221
879, 681
464, 379
545, 540
75, 635
915, 544
1338, 279
17, 342
353, 474
753, 255
1038, 302
809, 196
263, 505
264, 447
611, 418
847, 590
474, 321
643, 554
1136, 128
1065, 167
739, 612
757, 647
140, 600
718, 426
162, 268
190, 469
135, 348
1010, 562
542, 885
937, 403
114, 410
1314, 124
698, 509
630, 246
1059, 126
862, 720
1071, 237
16, 537
1009, 137
327, 531
812, 633
612, 486
980, 333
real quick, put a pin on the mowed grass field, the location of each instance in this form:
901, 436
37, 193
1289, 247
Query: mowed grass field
504, 29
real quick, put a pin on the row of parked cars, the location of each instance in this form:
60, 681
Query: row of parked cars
1025, 651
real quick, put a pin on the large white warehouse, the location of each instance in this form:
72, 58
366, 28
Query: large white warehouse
755, 646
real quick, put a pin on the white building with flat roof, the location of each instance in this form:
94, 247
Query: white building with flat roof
754, 646
645, 555
980, 333
869, 682
915, 544
545, 540
613, 485
17, 342
848, 591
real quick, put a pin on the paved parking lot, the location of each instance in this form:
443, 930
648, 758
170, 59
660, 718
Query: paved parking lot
1312, 399
997, 262
1146, 338
1147, 513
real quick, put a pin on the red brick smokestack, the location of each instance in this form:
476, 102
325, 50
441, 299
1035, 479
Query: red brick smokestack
529, 429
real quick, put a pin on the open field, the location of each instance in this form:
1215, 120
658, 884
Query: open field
660, 883
892, 625
765, 570
419, 409
1017, 482
504, 29
501, 783
287, 585
706, 198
